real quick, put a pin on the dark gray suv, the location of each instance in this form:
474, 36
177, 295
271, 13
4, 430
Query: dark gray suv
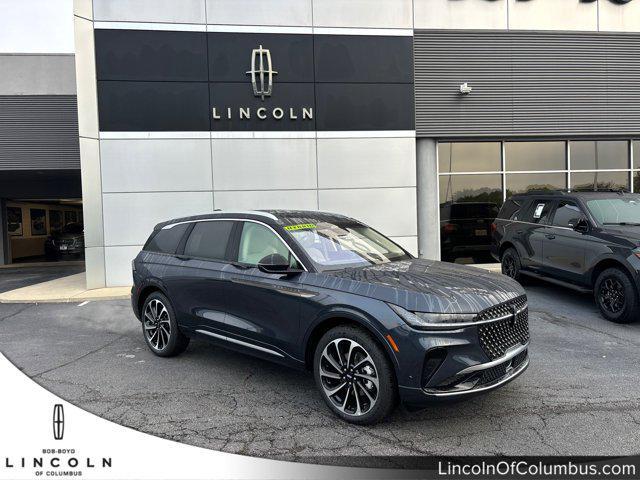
327, 293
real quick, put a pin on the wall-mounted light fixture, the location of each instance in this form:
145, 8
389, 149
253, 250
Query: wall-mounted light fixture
465, 89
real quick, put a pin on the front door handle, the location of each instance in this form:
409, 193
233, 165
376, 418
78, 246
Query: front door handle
550, 237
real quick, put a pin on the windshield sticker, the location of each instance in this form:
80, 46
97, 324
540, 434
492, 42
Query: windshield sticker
301, 226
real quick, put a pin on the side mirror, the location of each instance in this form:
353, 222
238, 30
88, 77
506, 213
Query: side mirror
276, 264
581, 225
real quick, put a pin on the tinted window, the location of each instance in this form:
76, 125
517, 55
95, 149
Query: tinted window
258, 242
636, 154
525, 182
539, 211
479, 189
567, 214
209, 240
535, 156
511, 209
592, 155
470, 157
600, 181
166, 240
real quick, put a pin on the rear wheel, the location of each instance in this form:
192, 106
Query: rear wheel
616, 296
511, 264
159, 327
354, 376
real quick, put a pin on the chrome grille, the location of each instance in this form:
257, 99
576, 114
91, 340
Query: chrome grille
499, 336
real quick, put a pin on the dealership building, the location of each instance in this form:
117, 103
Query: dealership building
391, 111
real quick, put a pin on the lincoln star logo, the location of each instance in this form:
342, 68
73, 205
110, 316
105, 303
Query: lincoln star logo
261, 72
58, 421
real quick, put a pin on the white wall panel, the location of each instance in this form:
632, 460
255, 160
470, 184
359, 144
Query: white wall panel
363, 13
94, 267
553, 15
264, 164
259, 12
478, 14
86, 85
118, 265
91, 192
156, 165
390, 210
165, 11
619, 18
248, 200
366, 162
130, 217
408, 243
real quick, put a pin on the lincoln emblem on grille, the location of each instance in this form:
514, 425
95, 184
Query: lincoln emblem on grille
58, 421
514, 315
261, 74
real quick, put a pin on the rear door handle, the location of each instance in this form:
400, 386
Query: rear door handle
550, 237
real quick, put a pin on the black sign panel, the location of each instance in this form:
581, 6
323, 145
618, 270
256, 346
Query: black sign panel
196, 81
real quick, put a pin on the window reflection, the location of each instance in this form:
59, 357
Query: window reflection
469, 157
636, 182
520, 156
636, 154
468, 206
525, 182
600, 180
594, 155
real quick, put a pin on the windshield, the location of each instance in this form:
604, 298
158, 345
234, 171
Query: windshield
616, 211
72, 228
332, 246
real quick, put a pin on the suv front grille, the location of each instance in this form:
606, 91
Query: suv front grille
495, 373
499, 336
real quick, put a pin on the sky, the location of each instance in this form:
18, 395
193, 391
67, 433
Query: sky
36, 26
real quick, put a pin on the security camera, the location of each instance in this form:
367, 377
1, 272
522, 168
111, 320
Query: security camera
465, 89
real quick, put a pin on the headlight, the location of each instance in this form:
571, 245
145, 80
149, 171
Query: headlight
425, 320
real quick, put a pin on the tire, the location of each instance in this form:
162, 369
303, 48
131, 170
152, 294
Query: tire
616, 296
511, 265
373, 380
159, 327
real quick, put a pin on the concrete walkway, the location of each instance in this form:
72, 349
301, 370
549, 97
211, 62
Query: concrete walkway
71, 288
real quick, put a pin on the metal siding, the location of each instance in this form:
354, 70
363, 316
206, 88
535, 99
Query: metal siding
39, 132
526, 83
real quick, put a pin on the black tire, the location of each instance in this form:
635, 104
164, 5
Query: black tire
511, 265
162, 341
616, 296
374, 365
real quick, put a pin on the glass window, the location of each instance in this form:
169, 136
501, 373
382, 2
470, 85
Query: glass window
533, 156
470, 157
164, 241
636, 182
38, 221
636, 154
209, 240
55, 220
471, 188
614, 211
567, 214
335, 244
14, 221
599, 180
525, 182
258, 242
539, 211
594, 155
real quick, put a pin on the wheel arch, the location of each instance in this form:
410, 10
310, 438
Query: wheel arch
504, 247
145, 292
344, 317
605, 264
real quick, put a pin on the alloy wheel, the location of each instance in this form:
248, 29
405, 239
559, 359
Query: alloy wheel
612, 296
509, 266
349, 376
157, 325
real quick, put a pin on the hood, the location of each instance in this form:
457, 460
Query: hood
630, 233
427, 285
66, 236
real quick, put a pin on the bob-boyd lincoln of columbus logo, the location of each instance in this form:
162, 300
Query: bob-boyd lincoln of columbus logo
262, 74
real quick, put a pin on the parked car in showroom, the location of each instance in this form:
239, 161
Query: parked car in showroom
587, 241
66, 243
327, 293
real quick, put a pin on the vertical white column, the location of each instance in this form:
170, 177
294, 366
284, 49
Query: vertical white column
428, 199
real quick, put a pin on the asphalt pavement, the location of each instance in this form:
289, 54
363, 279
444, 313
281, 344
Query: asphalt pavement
580, 395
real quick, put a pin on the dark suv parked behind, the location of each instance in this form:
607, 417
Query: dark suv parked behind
325, 292
588, 241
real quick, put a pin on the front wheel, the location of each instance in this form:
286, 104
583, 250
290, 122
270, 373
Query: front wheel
159, 327
354, 376
616, 296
